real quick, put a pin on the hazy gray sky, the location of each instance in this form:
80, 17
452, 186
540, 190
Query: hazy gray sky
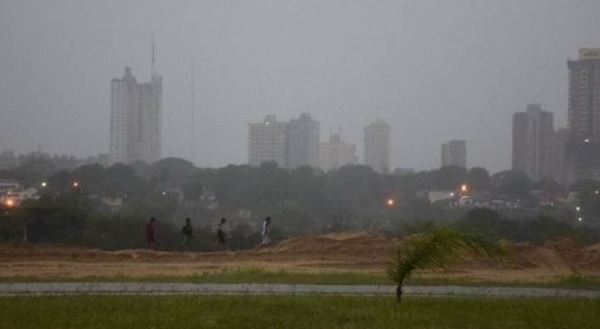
437, 70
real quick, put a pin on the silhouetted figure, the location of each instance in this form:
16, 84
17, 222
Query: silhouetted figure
150, 233
221, 233
187, 234
266, 230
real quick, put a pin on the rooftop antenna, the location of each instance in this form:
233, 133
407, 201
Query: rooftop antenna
153, 58
192, 126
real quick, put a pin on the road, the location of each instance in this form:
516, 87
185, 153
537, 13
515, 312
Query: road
279, 289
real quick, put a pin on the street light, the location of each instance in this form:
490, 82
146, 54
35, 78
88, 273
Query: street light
390, 202
10, 203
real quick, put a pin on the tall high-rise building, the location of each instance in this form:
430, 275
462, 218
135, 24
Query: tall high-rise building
336, 153
454, 153
377, 146
533, 133
582, 157
268, 141
304, 142
135, 119
584, 96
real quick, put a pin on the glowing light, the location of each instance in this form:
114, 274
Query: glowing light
390, 202
43, 184
10, 203
580, 219
464, 188
577, 208
75, 184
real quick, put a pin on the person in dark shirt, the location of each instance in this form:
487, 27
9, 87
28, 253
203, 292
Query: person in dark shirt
221, 233
188, 234
150, 233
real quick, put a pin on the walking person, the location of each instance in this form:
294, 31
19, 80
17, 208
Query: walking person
221, 233
187, 234
266, 230
151, 233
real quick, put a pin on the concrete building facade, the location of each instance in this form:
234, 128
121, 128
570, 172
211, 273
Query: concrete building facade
454, 153
268, 141
304, 142
377, 146
533, 133
582, 157
135, 119
336, 153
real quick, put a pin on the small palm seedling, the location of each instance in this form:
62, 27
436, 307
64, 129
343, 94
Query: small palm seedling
437, 251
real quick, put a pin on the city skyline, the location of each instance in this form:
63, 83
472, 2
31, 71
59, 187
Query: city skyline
433, 70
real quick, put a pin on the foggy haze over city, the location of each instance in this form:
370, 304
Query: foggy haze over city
433, 70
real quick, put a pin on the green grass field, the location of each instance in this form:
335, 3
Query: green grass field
187, 311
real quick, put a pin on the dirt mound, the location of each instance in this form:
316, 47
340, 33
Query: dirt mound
564, 256
41, 252
576, 255
589, 258
359, 243
529, 255
345, 250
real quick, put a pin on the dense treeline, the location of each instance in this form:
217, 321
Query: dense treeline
108, 207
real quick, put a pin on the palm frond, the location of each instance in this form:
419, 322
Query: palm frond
436, 251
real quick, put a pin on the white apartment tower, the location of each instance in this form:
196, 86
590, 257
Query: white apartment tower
533, 132
135, 119
377, 146
454, 153
268, 141
304, 142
